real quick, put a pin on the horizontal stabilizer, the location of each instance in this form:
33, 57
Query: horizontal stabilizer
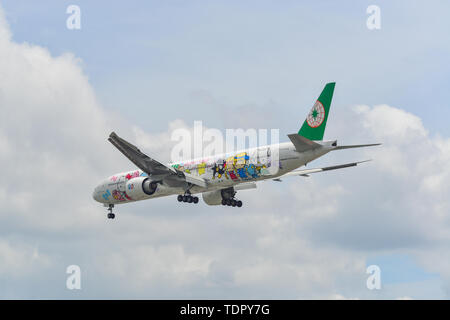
356, 146
306, 172
301, 143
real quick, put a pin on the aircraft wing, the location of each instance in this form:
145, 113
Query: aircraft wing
141, 160
306, 172
153, 168
194, 179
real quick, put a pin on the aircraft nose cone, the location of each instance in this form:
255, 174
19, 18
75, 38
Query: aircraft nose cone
95, 194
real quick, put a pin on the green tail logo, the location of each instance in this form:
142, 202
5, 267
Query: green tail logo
314, 126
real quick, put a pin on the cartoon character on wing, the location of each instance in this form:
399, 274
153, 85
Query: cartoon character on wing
181, 167
240, 164
252, 171
132, 175
118, 195
201, 167
218, 169
106, 195
261, 169
230, 168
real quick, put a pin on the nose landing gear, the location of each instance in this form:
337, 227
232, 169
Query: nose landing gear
111, 215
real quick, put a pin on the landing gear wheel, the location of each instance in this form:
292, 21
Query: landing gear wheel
232, 202
187, 198
111, 215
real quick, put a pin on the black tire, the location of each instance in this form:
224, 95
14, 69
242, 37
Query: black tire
224, 202
195, 199
228, 202
185, 198
189, 199
113, 215
180, 198
233, 203
239, 203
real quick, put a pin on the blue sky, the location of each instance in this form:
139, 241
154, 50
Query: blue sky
263, 53
258, 64
399, 268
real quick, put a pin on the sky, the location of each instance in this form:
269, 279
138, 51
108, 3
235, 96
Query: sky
146, 68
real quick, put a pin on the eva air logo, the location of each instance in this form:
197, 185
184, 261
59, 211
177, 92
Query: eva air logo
316, 115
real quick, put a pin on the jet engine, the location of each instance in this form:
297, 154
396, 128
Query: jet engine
141, 187
214, 198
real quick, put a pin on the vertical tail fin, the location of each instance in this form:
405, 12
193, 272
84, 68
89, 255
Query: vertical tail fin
314, 126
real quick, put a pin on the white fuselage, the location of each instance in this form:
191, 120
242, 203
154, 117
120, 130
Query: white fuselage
219, 172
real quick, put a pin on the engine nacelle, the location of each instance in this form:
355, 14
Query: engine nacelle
141, 187
214, 198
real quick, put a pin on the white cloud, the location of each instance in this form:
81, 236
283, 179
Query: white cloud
18, 261
145, 264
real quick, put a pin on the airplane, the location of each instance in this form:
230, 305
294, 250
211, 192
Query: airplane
219, 177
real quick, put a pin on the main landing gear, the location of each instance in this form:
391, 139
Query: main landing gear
111, 215
232, 203
228, 198
187, 198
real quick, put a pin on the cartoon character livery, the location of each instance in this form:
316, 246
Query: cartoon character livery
219, 178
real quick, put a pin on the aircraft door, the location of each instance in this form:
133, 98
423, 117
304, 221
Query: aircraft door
264, 156
121, 184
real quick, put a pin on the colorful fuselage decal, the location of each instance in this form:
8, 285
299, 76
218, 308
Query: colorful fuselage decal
243, 166
237, 167
116, 186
